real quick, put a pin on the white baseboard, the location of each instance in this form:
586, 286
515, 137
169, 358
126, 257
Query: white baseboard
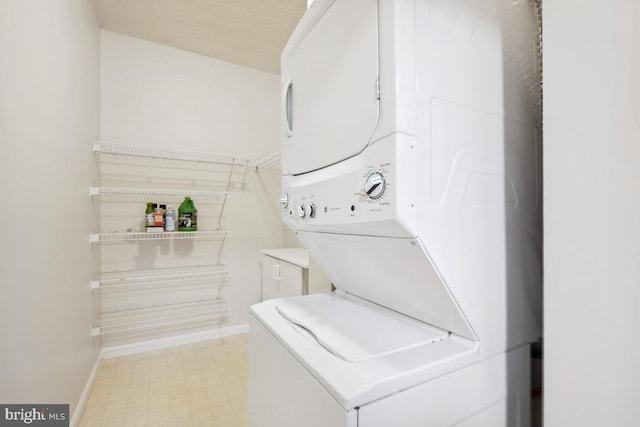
162, 343
86, 392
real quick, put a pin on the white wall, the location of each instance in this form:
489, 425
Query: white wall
49, 88
592, 213
157, 95
160, 96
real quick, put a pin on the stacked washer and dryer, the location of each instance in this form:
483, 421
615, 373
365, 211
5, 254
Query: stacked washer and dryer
411, 170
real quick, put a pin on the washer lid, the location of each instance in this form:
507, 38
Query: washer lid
355, 332
395, 273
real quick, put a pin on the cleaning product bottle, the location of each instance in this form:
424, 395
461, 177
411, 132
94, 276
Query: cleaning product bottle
170, 219
158, 216
148, 215
187, 216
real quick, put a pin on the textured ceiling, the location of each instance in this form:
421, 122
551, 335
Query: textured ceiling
246, 32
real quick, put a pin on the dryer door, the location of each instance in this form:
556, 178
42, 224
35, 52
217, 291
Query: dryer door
330, 84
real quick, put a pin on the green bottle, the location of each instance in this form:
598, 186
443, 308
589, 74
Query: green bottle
148, 215
187, 216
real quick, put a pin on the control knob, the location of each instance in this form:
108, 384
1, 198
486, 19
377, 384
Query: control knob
374, 186
284, 200
302, 211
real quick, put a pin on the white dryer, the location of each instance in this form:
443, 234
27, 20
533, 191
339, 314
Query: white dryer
411, 172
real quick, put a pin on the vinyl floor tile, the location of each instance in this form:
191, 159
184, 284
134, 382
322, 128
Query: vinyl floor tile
201, 384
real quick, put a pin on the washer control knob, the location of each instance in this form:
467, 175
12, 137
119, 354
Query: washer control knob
302, 211
374, 186
284, 200
312, 210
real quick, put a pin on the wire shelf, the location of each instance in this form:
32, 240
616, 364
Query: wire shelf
167, 235
269, 160
166, 154
169, 297
163, 277
162, 316
117, 194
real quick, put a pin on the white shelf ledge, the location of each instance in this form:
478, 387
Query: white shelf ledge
167, 235
269, 160
166, 154
119, 194
210, 311
163, 277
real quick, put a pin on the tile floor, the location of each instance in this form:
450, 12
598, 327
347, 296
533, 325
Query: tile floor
202, 384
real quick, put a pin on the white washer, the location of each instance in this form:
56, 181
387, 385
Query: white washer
357, 364
411, 172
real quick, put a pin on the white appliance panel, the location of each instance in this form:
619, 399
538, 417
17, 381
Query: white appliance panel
481, 222
329, 75
334, 199
493, 393
281, 391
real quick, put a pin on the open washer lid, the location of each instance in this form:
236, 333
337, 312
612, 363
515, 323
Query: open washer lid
394, 273
356, 332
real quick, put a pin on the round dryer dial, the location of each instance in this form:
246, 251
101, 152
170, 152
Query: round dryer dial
374, 186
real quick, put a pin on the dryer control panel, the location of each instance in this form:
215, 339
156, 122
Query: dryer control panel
371, 193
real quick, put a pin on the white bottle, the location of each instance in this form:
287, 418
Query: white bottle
170, 219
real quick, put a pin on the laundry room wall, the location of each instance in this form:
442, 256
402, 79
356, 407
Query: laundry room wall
49, 90
159, 96
591, 208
